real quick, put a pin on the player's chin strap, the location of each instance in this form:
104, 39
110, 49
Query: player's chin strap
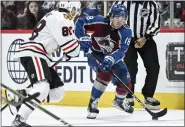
154, 115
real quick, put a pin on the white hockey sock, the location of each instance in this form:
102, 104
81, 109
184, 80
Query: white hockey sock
43, 88
55, 95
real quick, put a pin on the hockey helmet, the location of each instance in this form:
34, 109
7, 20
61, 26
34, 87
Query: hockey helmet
71, 6
118, 10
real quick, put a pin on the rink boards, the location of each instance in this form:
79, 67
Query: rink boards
78, 77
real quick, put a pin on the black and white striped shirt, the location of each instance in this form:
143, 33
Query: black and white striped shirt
143, 17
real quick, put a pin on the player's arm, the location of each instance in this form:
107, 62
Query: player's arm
125, 39
86, 23
119, 54
62, 31
154, 27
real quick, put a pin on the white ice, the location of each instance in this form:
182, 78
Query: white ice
107, 117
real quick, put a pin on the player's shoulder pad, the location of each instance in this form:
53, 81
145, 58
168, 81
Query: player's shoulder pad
125, 31
62, 15
97, 19
90, 12
103, 19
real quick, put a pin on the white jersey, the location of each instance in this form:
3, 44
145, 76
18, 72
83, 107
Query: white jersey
55, 30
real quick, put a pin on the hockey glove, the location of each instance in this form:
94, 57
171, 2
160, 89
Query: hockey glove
140, 42
107, 63
85, 43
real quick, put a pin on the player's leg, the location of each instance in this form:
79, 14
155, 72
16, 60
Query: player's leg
56, 92
150, 59
17, 99
39, 75
14, 98
132, 65
121, 92
99, 86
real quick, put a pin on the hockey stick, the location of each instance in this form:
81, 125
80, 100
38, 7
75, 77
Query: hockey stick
154, 115
57, 62
36, 105
6, 94
4, 107
13, 103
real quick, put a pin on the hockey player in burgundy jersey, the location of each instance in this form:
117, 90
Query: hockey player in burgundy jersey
109, 42
55, 30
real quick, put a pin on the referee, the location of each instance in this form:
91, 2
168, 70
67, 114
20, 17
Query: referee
144, 21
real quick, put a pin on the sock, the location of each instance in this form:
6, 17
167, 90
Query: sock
120, 94
26, 109
55, 95
97, 90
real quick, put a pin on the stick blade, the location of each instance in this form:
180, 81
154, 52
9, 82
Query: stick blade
159, 114
162, 113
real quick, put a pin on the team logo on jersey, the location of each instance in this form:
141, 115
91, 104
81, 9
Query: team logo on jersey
144, 12
106, 44
67, 17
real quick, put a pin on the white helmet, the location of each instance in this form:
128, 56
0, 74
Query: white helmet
70, 6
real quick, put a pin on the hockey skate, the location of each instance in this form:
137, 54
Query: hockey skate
152, 103
92, 109
19, 122
131, 101
124, 106
14, 98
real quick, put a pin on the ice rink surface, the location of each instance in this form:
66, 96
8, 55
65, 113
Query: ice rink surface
107, 117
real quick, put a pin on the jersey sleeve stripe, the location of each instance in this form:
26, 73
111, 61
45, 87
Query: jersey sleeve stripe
34, 43
66, 43
70, 46
34, 47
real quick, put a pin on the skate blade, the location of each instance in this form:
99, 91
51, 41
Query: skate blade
153, 107
91, 115
115, 106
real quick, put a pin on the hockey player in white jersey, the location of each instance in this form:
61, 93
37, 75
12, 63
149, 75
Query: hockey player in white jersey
54, 31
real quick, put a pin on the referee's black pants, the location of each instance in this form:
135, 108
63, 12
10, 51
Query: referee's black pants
149, 56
